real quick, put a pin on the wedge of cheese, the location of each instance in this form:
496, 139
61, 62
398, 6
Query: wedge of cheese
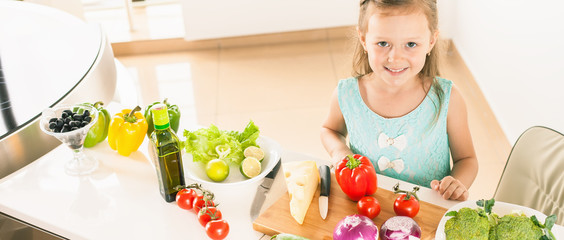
302, 178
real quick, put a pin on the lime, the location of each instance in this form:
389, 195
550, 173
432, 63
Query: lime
255, 152
250, 167
217, 170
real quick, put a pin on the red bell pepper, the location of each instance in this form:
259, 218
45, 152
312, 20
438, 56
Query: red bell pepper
356, 176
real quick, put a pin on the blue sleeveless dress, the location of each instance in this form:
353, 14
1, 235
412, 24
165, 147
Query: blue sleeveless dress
411, 148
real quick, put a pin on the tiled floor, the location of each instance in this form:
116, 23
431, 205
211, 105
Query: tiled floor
283, 87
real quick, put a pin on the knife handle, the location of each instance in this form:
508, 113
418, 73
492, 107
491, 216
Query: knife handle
272, 174
325, 175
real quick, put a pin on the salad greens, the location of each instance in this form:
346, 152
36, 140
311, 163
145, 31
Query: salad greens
482, 223
206, 144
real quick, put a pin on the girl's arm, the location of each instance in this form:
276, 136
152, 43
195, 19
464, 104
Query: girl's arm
334, 131
465, 165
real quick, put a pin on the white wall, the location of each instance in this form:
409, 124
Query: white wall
73, 7
204, 19
515, 50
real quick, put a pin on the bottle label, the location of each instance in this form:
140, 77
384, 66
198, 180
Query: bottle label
160, 116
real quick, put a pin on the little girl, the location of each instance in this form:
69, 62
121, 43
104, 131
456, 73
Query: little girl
396, 109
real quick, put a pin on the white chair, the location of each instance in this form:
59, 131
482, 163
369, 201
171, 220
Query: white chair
534, 173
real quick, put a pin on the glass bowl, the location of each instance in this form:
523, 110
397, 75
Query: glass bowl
80, 164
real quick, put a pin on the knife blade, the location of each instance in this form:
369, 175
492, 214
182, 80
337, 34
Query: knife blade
325, 175
263, 189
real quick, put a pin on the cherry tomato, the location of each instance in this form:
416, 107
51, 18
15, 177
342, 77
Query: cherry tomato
404, 207
185, 198
217, 229
207, 214
368, 206
199, 203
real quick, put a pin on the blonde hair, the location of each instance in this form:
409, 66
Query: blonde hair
430, 70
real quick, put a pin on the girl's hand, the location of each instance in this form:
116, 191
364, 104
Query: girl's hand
450, 188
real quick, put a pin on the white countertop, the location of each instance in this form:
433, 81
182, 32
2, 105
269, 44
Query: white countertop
120, 200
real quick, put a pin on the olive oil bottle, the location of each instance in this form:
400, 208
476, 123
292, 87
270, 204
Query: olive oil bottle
166, 153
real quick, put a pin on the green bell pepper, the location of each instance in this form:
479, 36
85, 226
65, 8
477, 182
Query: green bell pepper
173, 116
99, 130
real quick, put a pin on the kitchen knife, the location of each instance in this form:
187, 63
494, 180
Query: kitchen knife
325, 175
264, 187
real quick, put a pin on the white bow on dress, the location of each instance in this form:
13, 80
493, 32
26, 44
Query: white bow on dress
385, 163
400, 142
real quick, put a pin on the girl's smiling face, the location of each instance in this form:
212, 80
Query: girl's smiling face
397, 45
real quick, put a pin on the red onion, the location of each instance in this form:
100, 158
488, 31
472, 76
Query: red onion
355, 227
400, 228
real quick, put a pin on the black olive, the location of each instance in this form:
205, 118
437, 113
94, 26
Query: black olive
52, 125
88, 119
84, 123
86, 113
64, 115
53, 120
73, 128
60, 123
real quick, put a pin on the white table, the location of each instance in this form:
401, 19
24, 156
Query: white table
121, 201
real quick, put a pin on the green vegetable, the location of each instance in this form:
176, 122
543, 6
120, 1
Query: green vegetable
482, 223
287, 236
548, 224
173, 116
205, 143
99, 131
516, 227
467, 224
486, 204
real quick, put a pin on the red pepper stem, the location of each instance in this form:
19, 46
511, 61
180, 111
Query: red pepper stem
353, 162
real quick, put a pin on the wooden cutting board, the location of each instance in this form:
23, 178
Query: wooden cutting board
277, 219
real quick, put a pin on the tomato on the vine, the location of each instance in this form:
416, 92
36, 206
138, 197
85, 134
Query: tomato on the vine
404, 207
200, 202
208, 214
217, 229
185, 198
407, 204
368, 206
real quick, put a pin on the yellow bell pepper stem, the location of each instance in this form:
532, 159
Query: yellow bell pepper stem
127, 131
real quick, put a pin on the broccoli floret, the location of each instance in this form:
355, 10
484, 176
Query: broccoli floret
516, 227
482, 223
467, 224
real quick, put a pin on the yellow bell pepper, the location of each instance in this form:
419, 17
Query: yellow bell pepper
127, 131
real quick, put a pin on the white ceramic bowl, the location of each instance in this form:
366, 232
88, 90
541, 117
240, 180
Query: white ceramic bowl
195, 171
500, 208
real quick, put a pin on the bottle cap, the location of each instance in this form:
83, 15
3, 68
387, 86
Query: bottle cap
160, 116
